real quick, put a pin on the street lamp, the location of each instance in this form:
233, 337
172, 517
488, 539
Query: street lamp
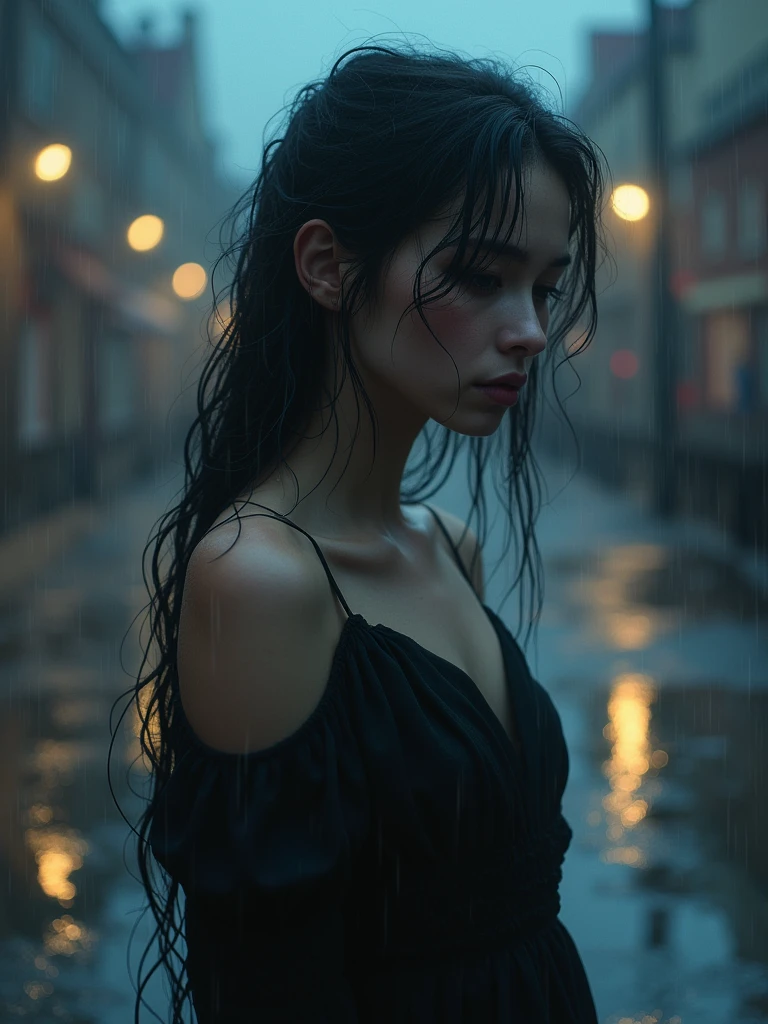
53, 162
665, 348
189, 281
630, 202
145, 232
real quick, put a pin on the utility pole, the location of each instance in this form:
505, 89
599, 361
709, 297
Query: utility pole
10, 15
9, 70
665, 347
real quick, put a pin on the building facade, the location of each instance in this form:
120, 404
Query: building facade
715, 84
94, 341
720, 279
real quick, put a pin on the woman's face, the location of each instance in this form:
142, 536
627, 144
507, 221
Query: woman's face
494, 322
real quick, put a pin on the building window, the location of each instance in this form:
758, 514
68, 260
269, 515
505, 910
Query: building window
729, 375
713, 224
39, 69
752, 219
35, 383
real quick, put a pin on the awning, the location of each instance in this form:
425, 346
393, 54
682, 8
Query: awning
725, 293
138, 308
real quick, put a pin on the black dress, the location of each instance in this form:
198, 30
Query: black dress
396, 860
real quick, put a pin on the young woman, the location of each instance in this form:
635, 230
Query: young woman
357, 782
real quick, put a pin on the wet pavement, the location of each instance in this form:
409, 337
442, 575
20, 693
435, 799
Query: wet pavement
651, 643
70, 902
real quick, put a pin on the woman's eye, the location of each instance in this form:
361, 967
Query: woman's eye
551, 295
488, 283
483, 282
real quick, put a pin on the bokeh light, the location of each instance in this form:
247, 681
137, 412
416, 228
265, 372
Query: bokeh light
221, 319
53, 162
189, 280
145, 232
624, 364
630, 202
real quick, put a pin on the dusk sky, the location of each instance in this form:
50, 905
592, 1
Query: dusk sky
254, 56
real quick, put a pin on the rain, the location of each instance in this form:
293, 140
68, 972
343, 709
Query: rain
127, 133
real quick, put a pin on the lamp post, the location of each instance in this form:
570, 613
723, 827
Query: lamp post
664, 349
10, 14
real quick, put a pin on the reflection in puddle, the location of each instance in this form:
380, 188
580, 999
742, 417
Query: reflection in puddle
68, 893
651, 588
56, 761
680, 738
631, 770
627, 632
617, 621
72, 713
67, 937
57, 854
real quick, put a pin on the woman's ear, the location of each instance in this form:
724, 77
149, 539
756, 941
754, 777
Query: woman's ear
318, 258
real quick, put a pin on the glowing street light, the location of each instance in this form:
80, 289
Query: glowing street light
189, 280
53, 162
145, 232
630, 202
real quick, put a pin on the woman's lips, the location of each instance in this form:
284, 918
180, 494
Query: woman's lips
501, 394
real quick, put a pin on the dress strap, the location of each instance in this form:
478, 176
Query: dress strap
329, 574
454, 549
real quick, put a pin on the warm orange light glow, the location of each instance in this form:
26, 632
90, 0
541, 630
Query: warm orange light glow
145, 232
629, 855
221, 319
189, 280
58, 853
65, 937
53, 162
631, 760
630, 202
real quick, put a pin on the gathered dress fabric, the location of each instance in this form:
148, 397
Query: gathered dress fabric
396, 860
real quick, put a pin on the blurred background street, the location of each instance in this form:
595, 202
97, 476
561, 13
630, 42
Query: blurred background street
127, 131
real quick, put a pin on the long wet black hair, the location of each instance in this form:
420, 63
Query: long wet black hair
390, 137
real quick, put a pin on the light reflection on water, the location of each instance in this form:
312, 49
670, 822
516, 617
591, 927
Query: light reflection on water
672, 690
632, 769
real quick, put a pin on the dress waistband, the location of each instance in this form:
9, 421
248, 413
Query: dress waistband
505, 896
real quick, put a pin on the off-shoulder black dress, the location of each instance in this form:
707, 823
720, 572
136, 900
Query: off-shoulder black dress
396, 860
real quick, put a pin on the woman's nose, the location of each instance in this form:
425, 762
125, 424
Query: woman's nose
526, 330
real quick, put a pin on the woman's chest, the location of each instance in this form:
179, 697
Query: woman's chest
442, 614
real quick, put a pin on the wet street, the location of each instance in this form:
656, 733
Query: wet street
653, 648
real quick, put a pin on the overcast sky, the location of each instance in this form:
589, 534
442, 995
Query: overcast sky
256, 54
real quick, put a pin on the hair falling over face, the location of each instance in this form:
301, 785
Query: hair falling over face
352, 153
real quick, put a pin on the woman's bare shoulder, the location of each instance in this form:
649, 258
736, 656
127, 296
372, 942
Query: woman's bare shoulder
256, 636
254, 545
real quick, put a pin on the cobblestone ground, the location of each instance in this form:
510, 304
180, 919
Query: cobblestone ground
651, 646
